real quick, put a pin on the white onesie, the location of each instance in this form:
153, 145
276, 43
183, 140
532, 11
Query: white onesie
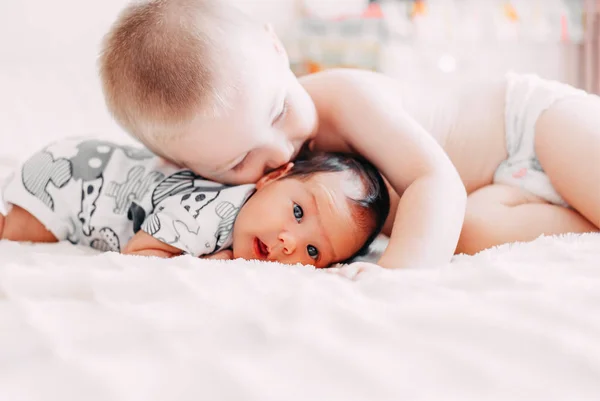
98, 193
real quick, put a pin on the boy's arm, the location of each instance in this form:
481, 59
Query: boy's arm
367, 111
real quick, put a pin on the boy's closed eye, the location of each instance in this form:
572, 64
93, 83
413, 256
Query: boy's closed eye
282, 112
240, 165
242, 162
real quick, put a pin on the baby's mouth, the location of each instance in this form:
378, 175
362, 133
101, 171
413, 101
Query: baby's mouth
261, 250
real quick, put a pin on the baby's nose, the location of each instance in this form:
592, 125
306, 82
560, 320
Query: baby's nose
287, 242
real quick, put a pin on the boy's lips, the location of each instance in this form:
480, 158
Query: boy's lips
261, 250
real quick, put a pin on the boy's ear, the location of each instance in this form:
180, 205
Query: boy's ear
274, 175
279, 48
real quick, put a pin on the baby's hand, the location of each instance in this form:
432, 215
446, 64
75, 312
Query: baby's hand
356, 270
227, 254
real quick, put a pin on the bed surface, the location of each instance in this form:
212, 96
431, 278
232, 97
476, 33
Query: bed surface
516, 322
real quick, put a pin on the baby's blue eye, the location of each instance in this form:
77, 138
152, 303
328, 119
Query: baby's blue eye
313, 252
298, 213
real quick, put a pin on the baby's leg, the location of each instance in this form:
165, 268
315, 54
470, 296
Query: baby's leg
567, 144
498, 214
20, 225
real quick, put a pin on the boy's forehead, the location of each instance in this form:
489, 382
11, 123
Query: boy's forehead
245, 94
260, 72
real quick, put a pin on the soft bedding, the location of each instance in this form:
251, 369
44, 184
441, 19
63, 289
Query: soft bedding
513, 323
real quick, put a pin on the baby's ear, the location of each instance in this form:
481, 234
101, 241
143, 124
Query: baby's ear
274, 175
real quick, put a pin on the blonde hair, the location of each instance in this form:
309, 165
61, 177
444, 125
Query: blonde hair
162, 61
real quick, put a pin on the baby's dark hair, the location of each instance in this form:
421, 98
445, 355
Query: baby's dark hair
373, 206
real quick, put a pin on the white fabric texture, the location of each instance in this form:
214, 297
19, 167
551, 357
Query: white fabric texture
518, 322
198, 221
527, 97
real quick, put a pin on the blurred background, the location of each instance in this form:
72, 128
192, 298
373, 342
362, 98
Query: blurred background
449, 41
48, 50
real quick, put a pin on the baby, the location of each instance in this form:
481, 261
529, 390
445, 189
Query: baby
320, 210
206, 87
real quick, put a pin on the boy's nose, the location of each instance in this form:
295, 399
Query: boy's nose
287, 243
281, 154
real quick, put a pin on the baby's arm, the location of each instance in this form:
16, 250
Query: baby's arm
366, 109
143, 244
175, 226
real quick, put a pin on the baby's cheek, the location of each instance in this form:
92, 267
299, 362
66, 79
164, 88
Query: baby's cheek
240, 250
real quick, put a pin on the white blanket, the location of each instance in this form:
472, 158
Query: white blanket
514, 323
